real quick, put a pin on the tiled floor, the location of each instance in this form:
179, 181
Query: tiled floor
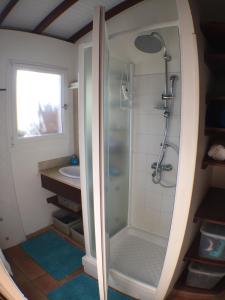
32, 280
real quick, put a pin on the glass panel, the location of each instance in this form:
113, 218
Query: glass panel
116, 151
38, 103
88, 143
150, 118
117, 138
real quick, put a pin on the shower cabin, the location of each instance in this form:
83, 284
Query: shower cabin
129, 130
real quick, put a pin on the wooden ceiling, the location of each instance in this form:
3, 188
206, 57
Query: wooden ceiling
58, 11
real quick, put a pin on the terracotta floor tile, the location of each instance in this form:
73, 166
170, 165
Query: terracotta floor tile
46, 283
15, 253
18, 276
31, 292
33, 281
29, 268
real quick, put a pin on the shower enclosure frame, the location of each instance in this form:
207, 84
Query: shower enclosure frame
187, 162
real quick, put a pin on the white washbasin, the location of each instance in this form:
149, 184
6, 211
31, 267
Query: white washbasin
70, 171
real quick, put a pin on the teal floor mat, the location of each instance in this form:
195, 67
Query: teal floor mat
54, 254
83, 287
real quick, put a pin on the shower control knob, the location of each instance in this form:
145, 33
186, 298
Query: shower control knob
166, 114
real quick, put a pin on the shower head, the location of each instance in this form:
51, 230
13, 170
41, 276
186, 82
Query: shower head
150, 43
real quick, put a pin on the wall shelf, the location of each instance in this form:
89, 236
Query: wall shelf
216, 62
54, 200
182, 291
192, 254
208, 161
214, 130
212, 208
60, 188
215, 98
214, 33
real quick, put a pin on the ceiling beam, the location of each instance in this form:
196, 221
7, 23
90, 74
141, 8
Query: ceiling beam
108, 15
59, 10
7, 10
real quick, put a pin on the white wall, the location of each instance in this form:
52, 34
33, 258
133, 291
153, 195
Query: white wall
11, 227
25, 155
152, 204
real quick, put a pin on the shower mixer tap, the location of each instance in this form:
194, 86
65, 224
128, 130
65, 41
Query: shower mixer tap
166, 114
163, 167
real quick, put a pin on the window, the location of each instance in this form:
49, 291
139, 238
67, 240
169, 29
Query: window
38, 103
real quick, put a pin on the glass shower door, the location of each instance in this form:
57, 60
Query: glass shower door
100, 91
111, 146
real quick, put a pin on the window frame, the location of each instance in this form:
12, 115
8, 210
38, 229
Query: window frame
15, 66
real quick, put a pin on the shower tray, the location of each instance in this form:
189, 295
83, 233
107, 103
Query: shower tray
138, 254
136, 262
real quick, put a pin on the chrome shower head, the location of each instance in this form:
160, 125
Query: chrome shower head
150, 43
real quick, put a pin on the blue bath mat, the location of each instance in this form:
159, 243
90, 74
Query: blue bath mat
54, 254
83, 287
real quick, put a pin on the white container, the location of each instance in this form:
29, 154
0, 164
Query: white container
204, 276
63, 220
77, 233
212, 244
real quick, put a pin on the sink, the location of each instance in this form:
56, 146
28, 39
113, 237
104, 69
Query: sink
70, 171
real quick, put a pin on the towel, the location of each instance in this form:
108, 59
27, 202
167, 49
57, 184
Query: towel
217, 152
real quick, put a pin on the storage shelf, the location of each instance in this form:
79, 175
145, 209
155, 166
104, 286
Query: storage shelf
215, 98
54, 200
181, 286
214, 33
212, 208
215, 61
208, 161
214, 130
192, 255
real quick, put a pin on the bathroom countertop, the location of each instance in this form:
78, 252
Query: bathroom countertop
54, 174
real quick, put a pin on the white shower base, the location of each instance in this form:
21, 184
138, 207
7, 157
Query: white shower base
136, 262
